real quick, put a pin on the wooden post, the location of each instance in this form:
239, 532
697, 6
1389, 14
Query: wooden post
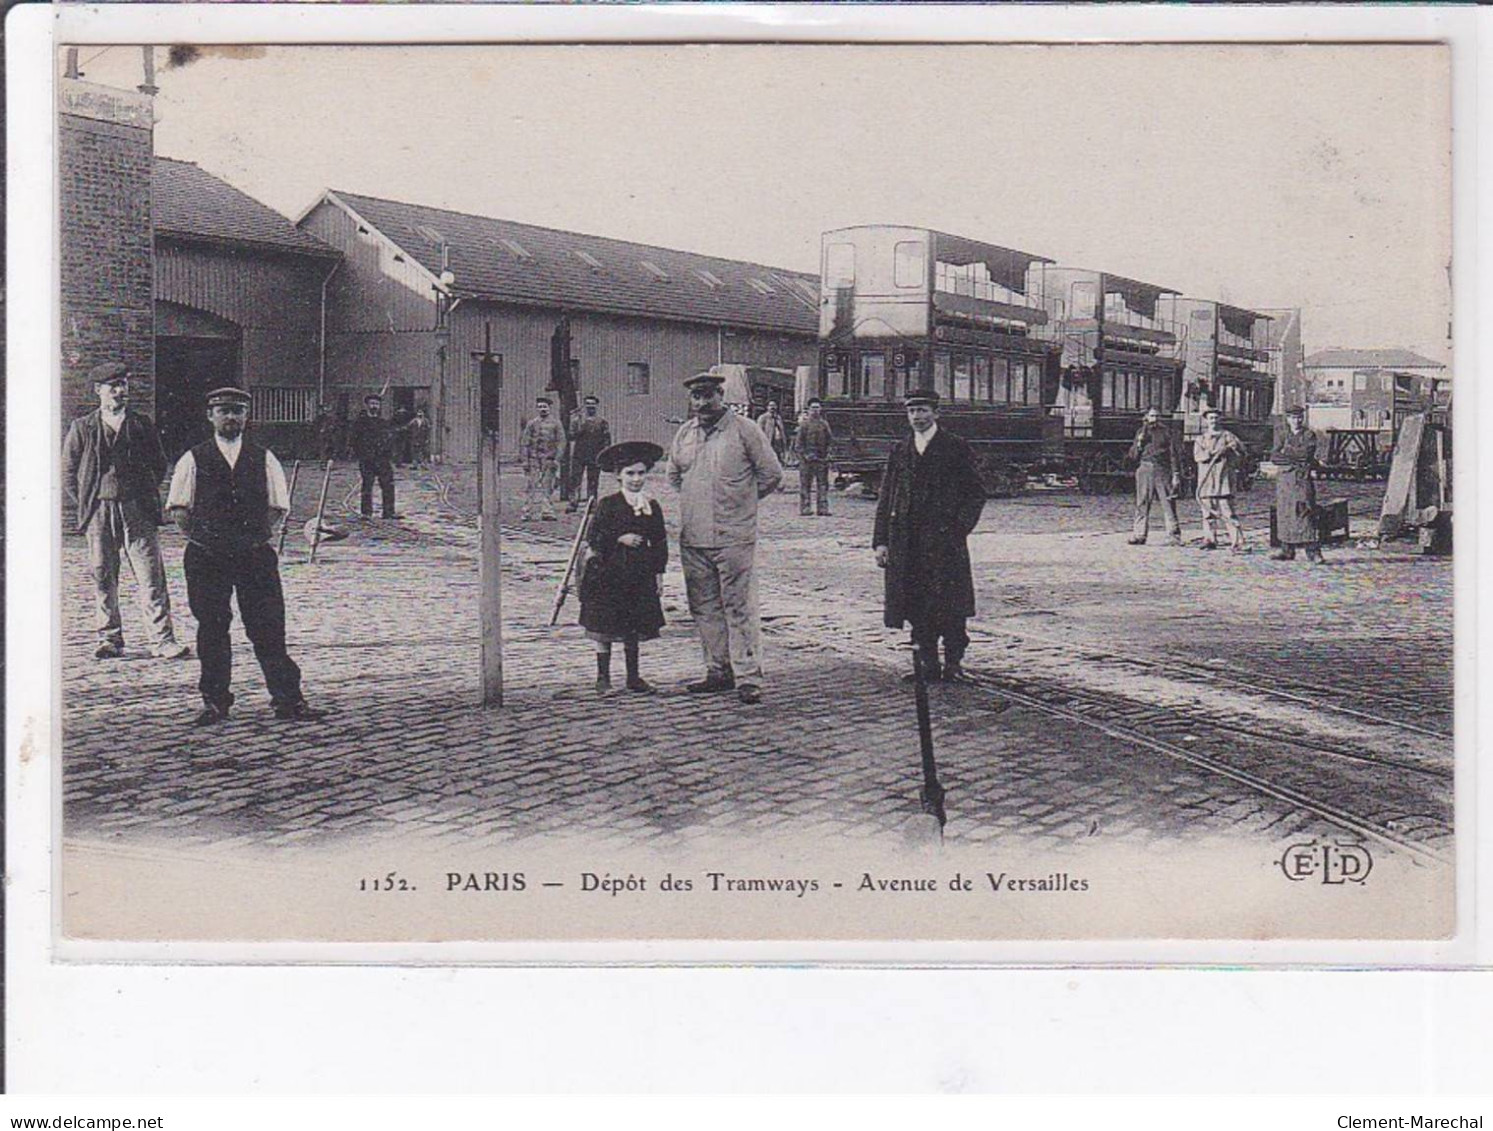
489, 518
321, 509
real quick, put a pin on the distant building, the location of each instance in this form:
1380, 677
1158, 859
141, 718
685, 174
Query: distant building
629, 321
238, 300
1370, 388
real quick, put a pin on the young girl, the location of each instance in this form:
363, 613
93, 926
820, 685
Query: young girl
620, 588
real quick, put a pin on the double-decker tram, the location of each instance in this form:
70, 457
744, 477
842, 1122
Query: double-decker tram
1120, 357
903, 308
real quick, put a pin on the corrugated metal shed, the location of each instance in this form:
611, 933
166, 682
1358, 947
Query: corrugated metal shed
522, 264
190, 203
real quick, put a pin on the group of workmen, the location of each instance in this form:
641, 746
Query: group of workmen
228, 495
1219, 457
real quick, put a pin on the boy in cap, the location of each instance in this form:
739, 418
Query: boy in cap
1295, 454
1217, 453
811, 443
543, 446
589, 435
112, 467
722, 464
228, 495
373, 447
930, 502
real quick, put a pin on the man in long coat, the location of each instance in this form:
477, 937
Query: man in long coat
1295, 454
931, 499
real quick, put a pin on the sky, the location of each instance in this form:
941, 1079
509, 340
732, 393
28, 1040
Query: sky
1266, 176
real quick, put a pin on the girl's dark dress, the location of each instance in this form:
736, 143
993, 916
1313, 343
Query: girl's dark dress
619, 597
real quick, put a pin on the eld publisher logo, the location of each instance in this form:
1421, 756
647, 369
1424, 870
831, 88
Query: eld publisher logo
1329, 862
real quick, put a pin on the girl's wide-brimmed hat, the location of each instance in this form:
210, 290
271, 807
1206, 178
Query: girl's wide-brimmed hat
628, 453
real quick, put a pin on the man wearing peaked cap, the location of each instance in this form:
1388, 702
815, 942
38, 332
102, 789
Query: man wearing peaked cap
372, 441
1295, 455
543, 446
112, 467
590, 434
930, 502
228, 495
722, 464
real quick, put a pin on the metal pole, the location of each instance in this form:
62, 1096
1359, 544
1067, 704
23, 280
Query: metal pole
295, 473
933, 791
321, 508
491, 572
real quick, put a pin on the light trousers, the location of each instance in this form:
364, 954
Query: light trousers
722, 589
125, 528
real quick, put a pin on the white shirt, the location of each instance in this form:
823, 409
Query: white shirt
183, 491
113, 422
922, 439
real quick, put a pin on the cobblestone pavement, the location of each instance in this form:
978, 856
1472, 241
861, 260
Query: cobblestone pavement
385, 628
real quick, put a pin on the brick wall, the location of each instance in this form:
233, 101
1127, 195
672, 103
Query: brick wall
105, 153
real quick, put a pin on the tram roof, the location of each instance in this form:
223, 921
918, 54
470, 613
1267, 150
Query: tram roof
1239, 320
1007, 265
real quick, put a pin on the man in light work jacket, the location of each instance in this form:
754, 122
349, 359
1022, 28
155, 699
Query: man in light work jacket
228, 495
722, 464
112, 467
930, 502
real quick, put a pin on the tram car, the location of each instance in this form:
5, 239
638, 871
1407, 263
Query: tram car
1046, 370
902, 308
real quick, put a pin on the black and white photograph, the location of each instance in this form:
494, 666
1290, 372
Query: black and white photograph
553, 493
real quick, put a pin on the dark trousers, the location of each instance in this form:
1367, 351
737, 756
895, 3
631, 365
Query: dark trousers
384, 473
813, 473
591, 473
255, 576
926, 630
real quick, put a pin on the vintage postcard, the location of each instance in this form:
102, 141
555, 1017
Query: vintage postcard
736, 493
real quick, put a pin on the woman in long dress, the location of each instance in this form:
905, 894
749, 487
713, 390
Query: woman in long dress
630, 550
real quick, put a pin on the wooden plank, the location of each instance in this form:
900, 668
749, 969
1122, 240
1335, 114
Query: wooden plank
491, 568
1399, 495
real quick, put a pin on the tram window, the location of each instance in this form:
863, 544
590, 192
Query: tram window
1000, 391
941, 376
1018, 382
910, 264
839, 265
982, 379
873, 376
1107, 390
962, 392
835, 376
1034, 382
1083, 300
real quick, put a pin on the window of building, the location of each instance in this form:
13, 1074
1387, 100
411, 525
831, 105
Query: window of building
963, 391
839, 265
639, 383
1361, 382
910, 264
655, 270
709, 278
760, 287
587, 258
430, 233
282, 405
873, 376
1083, 300
517, 248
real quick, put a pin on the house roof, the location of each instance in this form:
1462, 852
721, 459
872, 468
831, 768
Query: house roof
190, 203
506, 261
1369, 359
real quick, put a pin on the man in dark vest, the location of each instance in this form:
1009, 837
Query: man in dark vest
112, 464
228, 495
372, 443
931, 499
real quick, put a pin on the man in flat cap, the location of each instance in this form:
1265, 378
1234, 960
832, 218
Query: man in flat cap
590, 434
811, 443
372, 442
1295, 455
1158, 475
930, 502
1218, 454
722, 464
112, 468
543, 447
228, 496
